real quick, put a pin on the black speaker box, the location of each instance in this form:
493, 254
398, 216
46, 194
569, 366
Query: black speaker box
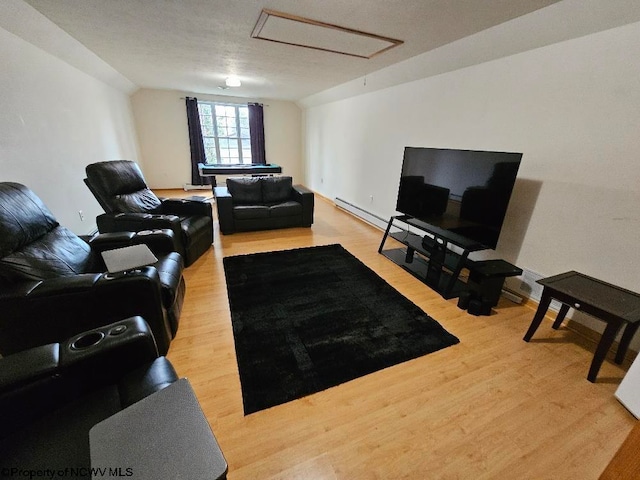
478, 307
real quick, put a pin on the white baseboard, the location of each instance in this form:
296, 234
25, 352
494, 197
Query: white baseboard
188, 186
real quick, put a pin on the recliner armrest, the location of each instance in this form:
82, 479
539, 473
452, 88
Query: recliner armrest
183, 207
39, 380
160, 241
88, 301
30, 386
65, 285
101, 242
28, 366
110, 350
145, 380
134, 222
104, 354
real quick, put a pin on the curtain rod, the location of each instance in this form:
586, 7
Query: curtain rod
238, 103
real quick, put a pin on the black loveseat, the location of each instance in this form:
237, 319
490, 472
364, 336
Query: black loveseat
54, 284
261, 203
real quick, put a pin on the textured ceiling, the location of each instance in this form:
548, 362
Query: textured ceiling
193, 45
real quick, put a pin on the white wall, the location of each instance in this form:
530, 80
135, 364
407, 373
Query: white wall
54, 120
572, 108
161, 122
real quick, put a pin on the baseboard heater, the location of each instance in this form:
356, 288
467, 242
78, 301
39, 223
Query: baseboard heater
188, 186
361, 213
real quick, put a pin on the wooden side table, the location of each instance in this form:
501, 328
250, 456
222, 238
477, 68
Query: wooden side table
613, 305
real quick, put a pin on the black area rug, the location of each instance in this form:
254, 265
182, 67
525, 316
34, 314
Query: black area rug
308, 319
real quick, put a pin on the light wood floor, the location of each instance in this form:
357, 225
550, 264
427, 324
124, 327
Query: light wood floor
491, 407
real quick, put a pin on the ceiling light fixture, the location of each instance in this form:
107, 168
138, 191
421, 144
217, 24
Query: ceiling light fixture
232, 81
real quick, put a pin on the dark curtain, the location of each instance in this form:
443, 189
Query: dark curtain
195, 141
256, 130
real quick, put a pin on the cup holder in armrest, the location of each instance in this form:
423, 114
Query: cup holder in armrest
111, 348
87, 340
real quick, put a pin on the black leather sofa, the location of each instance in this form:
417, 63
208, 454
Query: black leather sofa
260, 203
51, 396
121, 190
54, 284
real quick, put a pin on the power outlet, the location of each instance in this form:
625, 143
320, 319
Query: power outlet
81, 215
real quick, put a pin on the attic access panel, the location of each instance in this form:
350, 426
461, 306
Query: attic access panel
303, 32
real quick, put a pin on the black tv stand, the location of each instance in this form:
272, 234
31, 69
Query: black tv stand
437, 257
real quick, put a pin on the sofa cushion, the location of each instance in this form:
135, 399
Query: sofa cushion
276, 189
248, 212
245, 190
285, 209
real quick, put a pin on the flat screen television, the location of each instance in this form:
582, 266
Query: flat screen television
462, 191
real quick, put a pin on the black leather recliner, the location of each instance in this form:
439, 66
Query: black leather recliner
130, 205
52, 395
102, 404
54, 284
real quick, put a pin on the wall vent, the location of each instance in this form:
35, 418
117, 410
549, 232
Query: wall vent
533, 290
528, 285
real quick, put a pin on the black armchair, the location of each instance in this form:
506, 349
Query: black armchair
54, 284
130, 205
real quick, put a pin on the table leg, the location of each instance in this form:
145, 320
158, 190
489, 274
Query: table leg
545, 301
608, 336
627, 336
561, 314
386, 234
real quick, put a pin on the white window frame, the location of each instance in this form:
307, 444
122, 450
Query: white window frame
219, 160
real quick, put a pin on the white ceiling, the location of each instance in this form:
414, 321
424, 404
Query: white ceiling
193, 45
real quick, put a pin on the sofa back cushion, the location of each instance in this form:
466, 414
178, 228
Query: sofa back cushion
276, 189
245, 190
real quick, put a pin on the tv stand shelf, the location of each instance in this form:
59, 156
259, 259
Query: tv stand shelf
429, 256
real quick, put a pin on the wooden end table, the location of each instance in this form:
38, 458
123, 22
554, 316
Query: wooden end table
613, 305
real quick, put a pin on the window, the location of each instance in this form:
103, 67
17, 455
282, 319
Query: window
225, 133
